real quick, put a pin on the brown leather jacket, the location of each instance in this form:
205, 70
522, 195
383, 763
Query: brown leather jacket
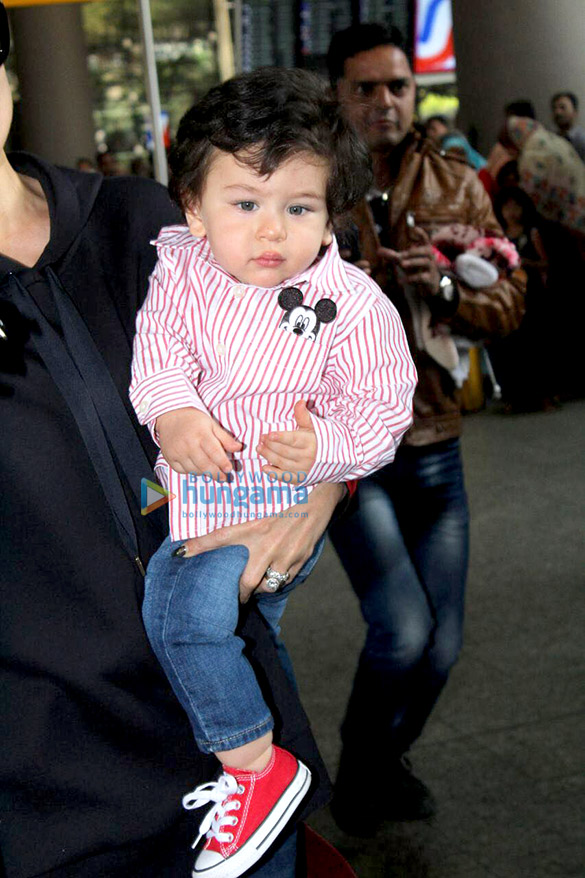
439, 189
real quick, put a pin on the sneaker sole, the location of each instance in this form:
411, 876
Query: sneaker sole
267, 832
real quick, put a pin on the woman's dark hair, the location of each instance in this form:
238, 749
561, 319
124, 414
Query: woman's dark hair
508, 175
359, 38
267, 117
520, 197
520, 108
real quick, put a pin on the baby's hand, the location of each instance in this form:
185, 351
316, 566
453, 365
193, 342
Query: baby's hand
192, 442
292, 452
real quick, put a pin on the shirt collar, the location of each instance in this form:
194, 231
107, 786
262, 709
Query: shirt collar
320, 274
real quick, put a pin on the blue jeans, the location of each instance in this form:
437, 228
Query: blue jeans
282, 862
190, 612
405, 550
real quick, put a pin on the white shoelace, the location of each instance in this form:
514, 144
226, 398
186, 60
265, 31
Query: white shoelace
217, 816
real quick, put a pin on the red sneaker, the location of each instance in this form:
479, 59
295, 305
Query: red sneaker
250, 810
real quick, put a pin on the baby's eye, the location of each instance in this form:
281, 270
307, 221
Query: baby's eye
246, 205
297, 209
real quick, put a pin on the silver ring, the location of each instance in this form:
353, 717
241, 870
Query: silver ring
274, 579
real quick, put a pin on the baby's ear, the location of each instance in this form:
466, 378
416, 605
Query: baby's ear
194, 221
327, 236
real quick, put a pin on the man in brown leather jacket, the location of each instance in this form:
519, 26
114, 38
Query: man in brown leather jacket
405, 547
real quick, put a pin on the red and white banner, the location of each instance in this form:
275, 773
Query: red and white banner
433, 50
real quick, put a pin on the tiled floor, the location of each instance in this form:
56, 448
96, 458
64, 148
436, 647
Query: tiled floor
504, 751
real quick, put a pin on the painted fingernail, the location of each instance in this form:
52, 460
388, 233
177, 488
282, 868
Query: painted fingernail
180, 552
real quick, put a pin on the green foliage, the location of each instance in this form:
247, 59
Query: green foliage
186, 63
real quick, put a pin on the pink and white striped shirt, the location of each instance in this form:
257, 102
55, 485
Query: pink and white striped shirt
206, 341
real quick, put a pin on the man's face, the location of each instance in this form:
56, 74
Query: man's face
436, 130
377, 93
564, 113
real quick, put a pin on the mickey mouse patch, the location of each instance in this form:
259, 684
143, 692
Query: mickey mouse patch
301, 319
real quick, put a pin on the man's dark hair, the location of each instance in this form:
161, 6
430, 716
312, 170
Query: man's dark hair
359, 38
444, 120
267, 117
566, 94
521, 108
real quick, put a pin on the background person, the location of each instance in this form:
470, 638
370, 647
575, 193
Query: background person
436, 128
549, 171
440, 130
552, 175
108, 164
405, 546
501, 161
85, 164
526, 374
565, 110
141, 166
95, 748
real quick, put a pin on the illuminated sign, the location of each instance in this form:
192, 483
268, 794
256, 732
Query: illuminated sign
434, 51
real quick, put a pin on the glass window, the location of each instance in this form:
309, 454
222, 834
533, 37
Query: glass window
185, 47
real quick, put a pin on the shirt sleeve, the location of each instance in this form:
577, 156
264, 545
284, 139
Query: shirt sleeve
368, 406
165, 365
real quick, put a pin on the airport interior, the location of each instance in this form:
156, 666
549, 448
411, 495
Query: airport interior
503, 751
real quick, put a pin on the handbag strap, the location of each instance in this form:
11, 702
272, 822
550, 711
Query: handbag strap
83, 379
116, 421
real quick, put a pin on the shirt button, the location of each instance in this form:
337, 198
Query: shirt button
143, 407
239, 291
220, 349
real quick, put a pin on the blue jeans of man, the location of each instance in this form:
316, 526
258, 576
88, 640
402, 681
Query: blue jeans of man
405, 550
190, 612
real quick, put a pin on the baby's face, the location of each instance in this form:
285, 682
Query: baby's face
263, 230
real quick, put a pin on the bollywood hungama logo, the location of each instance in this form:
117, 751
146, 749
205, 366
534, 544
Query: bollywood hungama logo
153, 496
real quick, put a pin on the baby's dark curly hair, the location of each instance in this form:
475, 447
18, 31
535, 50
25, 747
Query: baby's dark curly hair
267, 117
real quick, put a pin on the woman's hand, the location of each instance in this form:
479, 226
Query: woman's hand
284, 542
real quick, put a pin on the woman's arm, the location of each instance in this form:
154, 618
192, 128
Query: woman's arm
284, 542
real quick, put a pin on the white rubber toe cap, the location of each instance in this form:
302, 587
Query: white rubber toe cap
206, 860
